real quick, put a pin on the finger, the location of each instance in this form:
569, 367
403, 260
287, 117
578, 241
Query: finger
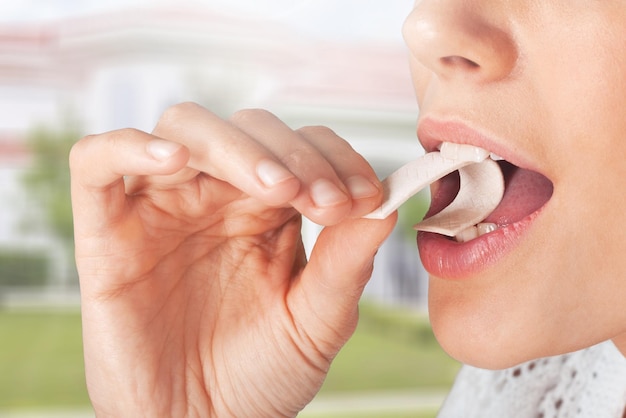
325, 302
323, 197
353, 170
98, 164
225, 152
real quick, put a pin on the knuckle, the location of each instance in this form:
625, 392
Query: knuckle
323, 137
123, 134
298, 157
315, 131
117, 139
78, 150
178, 112
87, 149
247, 116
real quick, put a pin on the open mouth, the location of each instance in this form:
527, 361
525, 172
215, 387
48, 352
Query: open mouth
525, 193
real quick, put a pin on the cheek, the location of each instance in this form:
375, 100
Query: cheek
583, 95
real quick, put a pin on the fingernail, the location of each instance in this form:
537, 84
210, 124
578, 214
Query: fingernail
271, 173
360, 187
324, 193
162, 150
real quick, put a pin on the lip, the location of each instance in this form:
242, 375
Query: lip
448, 259
445, 258
432, 132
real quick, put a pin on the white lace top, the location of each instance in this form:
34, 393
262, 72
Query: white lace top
587, 384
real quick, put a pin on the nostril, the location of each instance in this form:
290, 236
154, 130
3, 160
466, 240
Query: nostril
459, 62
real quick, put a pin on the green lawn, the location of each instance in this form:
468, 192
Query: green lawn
391, 349
41, 362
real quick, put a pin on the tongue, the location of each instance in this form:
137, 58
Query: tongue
526, 191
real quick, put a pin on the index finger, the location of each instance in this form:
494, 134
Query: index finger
98, 164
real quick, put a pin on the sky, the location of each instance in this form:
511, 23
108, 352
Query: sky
378, 20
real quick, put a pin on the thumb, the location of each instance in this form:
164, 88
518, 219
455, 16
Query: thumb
332, 282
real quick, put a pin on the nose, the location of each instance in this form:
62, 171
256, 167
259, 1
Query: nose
456, 39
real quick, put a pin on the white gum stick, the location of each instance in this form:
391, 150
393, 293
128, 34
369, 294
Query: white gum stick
482, 187
411, 178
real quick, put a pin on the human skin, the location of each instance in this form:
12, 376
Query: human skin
196, 295
544, 85
197, 298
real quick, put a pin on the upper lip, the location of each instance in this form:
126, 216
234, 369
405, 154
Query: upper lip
432, 132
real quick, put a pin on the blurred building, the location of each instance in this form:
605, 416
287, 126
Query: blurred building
124, 69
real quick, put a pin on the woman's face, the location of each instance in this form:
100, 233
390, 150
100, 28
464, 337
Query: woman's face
542, 84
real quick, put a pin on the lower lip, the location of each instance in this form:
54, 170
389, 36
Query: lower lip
447, 259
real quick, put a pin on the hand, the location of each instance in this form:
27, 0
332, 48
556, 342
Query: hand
197, 298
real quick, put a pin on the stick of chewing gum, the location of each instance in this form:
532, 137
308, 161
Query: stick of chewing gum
482, 187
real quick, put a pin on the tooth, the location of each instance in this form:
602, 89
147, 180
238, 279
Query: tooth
482, 188
463, 152
475, 231
467, 234
485, 228
496, 157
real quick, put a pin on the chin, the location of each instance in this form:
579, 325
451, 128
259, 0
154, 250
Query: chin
480, 353
488, 340
486, 358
